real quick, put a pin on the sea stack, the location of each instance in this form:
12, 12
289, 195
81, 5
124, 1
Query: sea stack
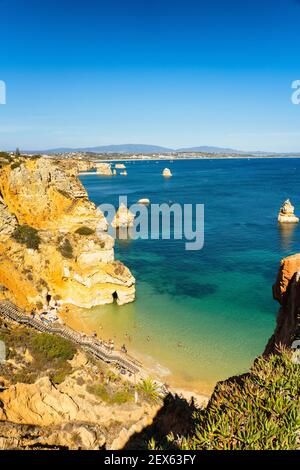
123, 217
286, 214
167, 172
123, 173
144, 201
120, 166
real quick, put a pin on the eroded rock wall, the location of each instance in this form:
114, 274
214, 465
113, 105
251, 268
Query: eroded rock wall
286, 291
74, 260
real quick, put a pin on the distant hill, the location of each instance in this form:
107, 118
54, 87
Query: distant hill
156, 149
207, 149
122, 148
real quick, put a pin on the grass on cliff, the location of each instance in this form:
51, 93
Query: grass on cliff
27, 235
258, 411
109, 395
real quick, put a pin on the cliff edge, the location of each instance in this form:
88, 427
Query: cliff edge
53, 240
286, 291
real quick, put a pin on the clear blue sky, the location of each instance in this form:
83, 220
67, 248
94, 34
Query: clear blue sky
174, 73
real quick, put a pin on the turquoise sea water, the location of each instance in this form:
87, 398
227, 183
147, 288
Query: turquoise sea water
201, 316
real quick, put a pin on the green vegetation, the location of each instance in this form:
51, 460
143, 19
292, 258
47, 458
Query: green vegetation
28, 236
257, 411
50, 354
14, 165
149, 390
85, 231
5, 159
66, 249
107, 394
52, 347
5, 156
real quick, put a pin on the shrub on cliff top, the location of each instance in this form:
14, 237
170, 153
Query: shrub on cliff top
85, 231
27, 235
53, 347
66, 249
258, 411
15, 165
149, 390
118, 397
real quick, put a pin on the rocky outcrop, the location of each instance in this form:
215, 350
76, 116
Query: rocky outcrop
44, 404
123, 217
104, 169
120, 166
286, 214
92, 407
286, 291
54, 241
144, 201
167, 172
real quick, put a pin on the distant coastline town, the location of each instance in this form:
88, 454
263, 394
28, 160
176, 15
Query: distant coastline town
150, 152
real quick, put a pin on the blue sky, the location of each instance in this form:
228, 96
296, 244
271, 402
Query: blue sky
174, 73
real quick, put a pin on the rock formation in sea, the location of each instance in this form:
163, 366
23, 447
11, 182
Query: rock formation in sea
286, 214
144, 201
104, 169
123, 173
120, 166
167, 172
123, 217
53, 240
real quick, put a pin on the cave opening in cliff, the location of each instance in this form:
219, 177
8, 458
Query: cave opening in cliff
115, 295
48, 298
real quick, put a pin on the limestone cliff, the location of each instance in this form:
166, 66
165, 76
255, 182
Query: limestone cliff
53, 239
286, 291
71, 402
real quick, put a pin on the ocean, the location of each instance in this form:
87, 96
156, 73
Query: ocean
202, 316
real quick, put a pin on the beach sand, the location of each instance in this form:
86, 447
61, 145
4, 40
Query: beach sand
72, 318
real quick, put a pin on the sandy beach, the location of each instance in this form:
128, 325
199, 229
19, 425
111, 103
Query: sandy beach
71, 316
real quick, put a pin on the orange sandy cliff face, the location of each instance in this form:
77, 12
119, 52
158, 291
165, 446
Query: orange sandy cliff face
74, 260
286, 291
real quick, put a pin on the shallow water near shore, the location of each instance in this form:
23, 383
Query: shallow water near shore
202, 316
